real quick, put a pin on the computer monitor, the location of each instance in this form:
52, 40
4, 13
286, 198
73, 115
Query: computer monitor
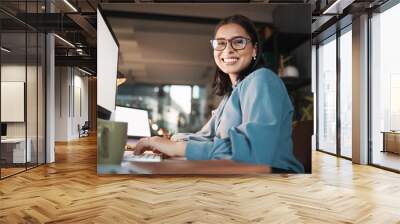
107, 67
103, 113
137, 119
3, 129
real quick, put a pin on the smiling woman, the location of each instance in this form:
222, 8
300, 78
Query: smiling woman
239, 57
252, 124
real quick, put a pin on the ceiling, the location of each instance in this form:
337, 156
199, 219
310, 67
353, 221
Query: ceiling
76, 26
173, 49
17, 43
258, 12
150, 52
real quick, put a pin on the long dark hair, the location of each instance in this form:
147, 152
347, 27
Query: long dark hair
222, 84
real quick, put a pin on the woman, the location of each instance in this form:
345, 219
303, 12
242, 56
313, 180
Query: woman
252, 124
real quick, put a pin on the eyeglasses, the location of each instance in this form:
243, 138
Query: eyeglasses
237, 43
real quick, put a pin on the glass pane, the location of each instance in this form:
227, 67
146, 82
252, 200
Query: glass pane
31, 98
346, 94
41, 99
181, 97
313, 83
327, 97
385, 86
13, 85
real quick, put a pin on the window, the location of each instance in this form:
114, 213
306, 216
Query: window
173, 108
22, 64
327, 96
334, 106
346, 93
385, 88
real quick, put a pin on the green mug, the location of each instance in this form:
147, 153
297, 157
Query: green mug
111, 141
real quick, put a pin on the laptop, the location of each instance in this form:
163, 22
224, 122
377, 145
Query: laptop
137, 119
138, 127
3, 131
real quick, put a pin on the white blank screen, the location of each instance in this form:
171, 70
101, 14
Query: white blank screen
138, 121
12, 101
107, 65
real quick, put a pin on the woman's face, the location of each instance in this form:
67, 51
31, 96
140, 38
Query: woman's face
229, 60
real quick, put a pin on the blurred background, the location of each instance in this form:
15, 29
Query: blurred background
166, 63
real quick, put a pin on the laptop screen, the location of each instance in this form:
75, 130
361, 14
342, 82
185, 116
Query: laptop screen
3, 129
138, 121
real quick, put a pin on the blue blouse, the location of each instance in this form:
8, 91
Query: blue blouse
252, 125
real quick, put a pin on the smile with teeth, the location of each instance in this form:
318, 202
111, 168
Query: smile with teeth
230, 60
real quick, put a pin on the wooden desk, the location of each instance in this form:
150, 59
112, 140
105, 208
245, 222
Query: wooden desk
14, 150
184, 167
391, 141
181, 166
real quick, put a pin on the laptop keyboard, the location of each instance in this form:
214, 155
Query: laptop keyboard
147, 157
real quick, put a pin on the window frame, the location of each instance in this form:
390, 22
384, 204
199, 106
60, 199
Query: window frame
378, 10
333, 37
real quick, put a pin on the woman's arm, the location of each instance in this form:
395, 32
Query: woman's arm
205, 133
159, 144
177, 144
260, 102
264, 136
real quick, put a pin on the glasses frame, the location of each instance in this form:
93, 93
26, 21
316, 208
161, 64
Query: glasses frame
248, 40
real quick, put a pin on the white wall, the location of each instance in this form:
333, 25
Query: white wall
71, 94
16, 73
33, 126
61, 103
80, 97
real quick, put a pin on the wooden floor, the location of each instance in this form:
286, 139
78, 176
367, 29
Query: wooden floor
386, 159
69, 191
5, 172
10, 171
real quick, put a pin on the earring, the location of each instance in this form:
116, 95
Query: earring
254, 57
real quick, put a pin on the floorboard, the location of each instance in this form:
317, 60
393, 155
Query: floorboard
69, 191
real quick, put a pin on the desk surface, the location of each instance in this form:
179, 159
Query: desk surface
13, 140
183, 167
390, 132
179, 166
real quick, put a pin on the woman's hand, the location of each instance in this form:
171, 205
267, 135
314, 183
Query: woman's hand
159, 144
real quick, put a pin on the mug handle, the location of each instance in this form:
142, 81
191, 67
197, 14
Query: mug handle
103, 144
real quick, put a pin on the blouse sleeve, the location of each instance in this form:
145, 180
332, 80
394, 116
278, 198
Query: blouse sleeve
264, 104
205, 133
